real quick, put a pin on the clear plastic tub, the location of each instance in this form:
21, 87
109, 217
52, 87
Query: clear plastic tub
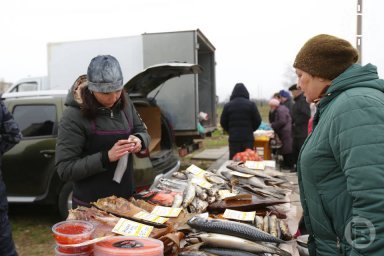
72, 231
74, 250
59, 253
129, 246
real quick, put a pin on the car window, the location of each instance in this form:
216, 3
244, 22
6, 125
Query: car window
35, 120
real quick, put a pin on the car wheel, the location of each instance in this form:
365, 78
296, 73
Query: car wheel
65, 200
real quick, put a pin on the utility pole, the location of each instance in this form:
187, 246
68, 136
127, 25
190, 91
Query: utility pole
359, 32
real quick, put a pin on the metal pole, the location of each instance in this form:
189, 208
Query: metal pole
359, 32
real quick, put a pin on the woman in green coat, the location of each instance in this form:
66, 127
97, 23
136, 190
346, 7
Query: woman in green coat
341, 164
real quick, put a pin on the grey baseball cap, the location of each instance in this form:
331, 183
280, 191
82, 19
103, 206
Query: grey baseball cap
104, 74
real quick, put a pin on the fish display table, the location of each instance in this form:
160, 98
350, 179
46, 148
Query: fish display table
269, 199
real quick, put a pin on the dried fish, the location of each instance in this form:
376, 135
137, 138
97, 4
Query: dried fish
199, 205
200, 193
177, 201
285, 234
211, 199
189, 194
233, 242
266, 223
273, 225
231, 228
227, 252
214, 178
180, 175
259, 222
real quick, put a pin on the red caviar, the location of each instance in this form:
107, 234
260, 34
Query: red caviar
72, 232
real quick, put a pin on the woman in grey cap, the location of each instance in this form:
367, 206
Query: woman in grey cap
341, 164
98, 130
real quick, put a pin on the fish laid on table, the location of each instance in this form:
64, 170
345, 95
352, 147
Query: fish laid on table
189, 194
233, 228
123, 208
233, 242
230, 252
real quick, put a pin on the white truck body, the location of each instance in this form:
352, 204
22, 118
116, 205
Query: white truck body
181, 99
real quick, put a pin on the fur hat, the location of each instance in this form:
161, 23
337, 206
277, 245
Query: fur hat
293, 87
326, 56
104, 74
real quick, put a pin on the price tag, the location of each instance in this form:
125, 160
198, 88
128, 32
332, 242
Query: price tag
256, 165
238, 215
150, 217
224, 193
197, 171
166, 211
240, 174
201, 182
131, 228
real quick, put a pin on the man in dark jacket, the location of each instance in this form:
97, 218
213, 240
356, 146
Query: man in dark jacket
240, 118
300, 117
9, 136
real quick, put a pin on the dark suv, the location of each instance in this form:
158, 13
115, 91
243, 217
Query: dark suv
28, 168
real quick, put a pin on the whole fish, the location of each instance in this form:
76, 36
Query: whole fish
234, 228
214, 178
177, 200
228, 252
285, 234
200, 193
273, 226
189, 194
259, 222
233, 242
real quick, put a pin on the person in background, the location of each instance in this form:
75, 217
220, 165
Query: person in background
98, 131
286, 100
300, 117
9, 137
341, 168
282, 126
240, 118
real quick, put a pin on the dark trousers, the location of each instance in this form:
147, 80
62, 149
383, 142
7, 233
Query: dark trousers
236, 147
7, 246
296, 147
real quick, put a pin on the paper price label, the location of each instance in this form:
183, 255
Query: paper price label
196, 171
240, 174
166, 211
150, 217
201, 182
256, 165
131, 228
238, 215
225, 193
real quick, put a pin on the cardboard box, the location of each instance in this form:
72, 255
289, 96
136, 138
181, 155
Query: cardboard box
152, 119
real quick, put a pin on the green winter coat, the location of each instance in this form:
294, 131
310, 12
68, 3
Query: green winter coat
341, 167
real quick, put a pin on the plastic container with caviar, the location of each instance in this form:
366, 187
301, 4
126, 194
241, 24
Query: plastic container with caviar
73, 232
129, 246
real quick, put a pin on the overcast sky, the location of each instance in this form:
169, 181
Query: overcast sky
256, 41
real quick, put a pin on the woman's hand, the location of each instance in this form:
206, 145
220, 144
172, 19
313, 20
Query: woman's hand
122, 147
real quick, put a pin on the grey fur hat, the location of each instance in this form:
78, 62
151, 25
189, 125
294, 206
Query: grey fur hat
104, 74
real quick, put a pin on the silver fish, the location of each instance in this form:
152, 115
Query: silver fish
233, 242
234, 228
189, 194
177, 200
227, 252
